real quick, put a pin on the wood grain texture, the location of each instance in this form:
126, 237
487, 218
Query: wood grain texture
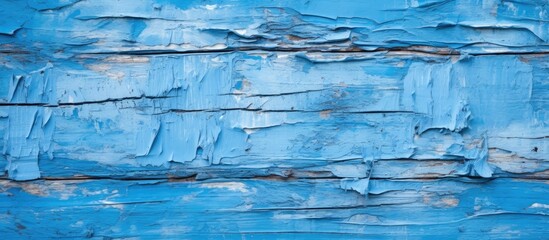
274, 119
235, 208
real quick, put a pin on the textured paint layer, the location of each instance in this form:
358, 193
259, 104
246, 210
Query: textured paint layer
269, 112
286, 119
267, 209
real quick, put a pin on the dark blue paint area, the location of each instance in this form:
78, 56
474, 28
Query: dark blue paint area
502, 208
274, 119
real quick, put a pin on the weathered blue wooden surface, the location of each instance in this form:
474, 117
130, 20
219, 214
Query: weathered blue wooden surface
476, 26
286, 119
236, 208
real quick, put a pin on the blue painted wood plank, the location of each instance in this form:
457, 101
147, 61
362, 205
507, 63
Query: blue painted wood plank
501, 208
61, 28
261, 110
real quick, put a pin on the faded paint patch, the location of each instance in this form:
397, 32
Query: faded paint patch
232, 186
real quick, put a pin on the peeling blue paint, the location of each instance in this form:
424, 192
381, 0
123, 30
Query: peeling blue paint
286, 119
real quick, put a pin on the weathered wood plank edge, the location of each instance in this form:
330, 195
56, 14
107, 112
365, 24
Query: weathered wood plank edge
271, 178
414, 50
